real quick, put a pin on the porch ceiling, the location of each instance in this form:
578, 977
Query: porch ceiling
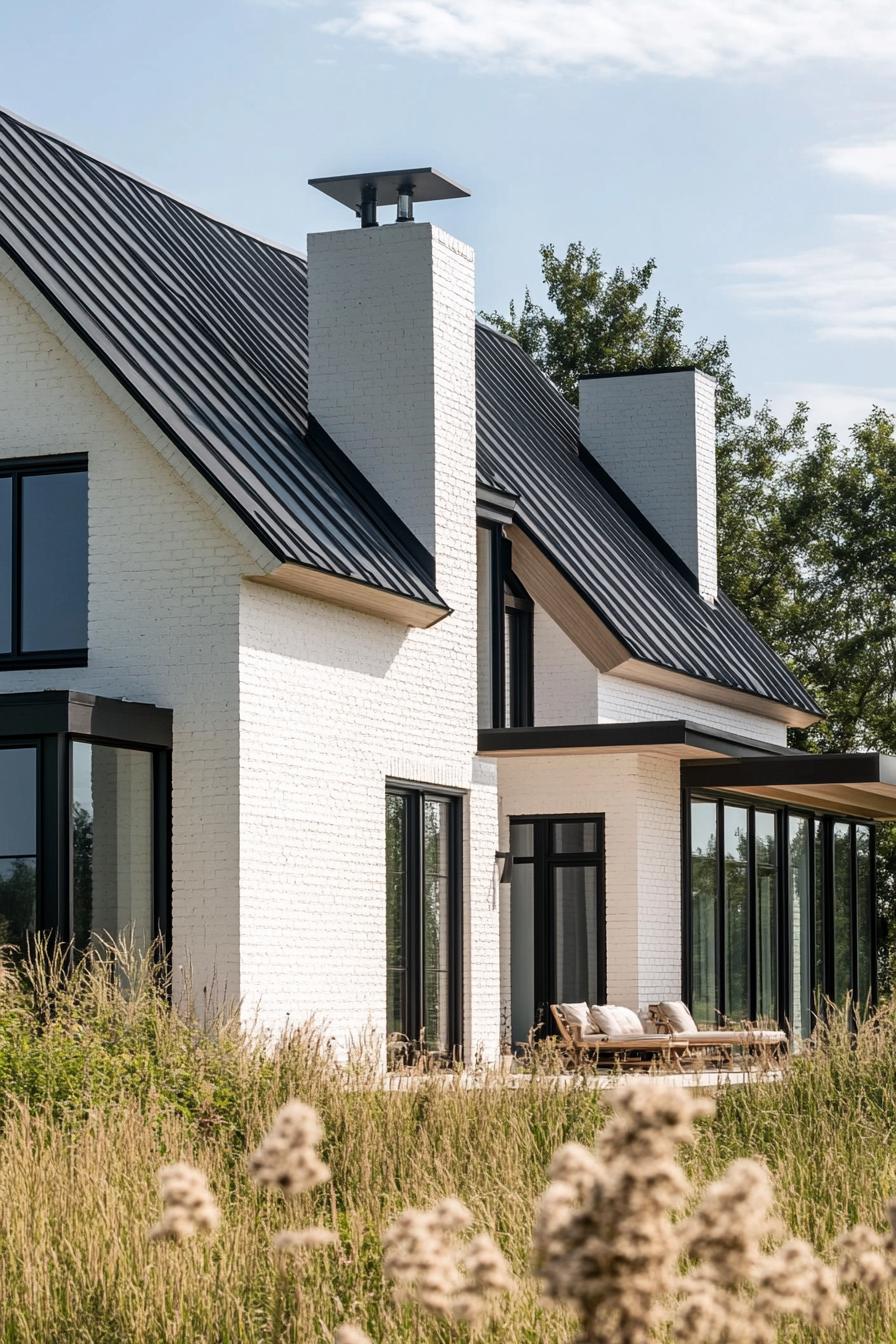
669, 737
861, 784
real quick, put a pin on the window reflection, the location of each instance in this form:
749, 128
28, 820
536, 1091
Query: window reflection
18, 845
111, 844
704, 979
737, 948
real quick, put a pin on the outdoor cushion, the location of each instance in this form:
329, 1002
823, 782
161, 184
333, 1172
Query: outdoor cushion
576, 1015
629, 1020
604, 1019
678, 1017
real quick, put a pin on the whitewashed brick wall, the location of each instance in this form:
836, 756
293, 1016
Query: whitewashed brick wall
163, 614
624, 701
655, 435
565, 681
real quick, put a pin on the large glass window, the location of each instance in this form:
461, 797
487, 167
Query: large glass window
112, 845
422, 922
788, 921
43, 563
704, 911
18, 845
557, 918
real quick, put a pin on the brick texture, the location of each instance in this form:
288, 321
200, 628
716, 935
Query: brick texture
655, 434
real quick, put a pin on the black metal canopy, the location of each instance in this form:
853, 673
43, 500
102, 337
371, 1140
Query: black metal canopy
862, 784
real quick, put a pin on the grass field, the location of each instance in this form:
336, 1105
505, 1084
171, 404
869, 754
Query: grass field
99, 1089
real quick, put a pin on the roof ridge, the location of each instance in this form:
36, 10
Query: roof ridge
87, 154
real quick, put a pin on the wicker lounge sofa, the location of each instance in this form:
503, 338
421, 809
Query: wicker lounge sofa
626, 1045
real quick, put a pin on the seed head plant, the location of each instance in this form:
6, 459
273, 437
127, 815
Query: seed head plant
287, 1156
188, 1206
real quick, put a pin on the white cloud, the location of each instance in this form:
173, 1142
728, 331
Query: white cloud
873, 162
840, 405
672, 37
845, 291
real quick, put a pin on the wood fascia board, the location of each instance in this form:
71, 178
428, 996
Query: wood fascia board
361, 597
852, 800
665, 678
547, 586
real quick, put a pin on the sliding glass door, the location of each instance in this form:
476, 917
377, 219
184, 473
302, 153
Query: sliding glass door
557, 918
422, 922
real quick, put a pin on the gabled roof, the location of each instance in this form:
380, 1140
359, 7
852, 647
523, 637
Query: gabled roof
206, 326
529, 446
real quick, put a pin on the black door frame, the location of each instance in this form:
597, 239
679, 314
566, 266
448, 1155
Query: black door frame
413, 1008
545, 862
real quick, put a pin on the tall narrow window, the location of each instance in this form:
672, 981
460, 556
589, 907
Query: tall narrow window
557, 916
864, 917
843, 935
704, 911
766, 916
112, 845
18, 845
799, 867
506, 657
43, 563
422, 922
737, 918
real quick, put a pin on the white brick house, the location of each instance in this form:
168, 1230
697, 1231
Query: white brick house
317, 600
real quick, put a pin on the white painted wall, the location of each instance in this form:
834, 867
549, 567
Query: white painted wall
163, 620
655, 434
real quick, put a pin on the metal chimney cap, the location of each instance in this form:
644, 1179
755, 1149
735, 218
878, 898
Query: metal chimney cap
424, 184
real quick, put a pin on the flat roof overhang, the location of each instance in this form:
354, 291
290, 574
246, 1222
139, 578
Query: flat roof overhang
859, 784
669, 737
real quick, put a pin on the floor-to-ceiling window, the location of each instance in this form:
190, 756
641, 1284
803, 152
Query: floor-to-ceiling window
84, 819
557, 917
783, 917
422, 922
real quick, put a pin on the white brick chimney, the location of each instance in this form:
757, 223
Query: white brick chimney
655, 434
393, 376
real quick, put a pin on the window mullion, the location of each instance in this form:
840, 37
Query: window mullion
16, 595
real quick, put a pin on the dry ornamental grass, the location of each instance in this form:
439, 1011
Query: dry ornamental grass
536, 1215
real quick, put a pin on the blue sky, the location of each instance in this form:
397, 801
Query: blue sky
749, 146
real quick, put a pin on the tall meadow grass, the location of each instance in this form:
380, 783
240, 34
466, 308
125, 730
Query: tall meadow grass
100, 1087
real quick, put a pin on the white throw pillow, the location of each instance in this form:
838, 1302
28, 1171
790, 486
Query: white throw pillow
678, 1017
605, 1021
576, 1015
628, 1020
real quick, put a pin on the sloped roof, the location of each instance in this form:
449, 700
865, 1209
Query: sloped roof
528, 441
207, 327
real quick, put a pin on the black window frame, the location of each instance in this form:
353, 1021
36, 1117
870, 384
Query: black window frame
545, 860
510, 608
18, 470
51, 721
820, 822
413, 999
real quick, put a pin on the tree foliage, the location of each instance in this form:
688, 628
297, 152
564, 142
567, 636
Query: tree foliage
807, 523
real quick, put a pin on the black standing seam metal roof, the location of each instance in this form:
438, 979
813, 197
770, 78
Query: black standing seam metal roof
528, 443
207, 327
